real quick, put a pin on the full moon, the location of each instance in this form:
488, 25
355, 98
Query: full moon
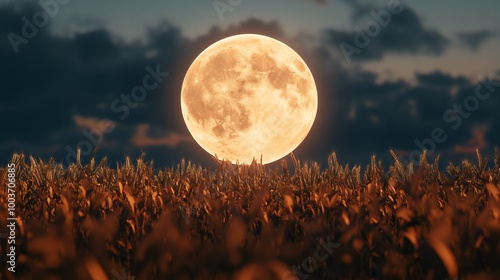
249, 97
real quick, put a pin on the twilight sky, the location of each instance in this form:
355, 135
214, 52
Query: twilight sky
430, 72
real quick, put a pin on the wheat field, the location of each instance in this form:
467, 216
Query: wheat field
303, 221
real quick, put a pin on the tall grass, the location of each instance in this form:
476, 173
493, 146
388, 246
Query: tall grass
250, 222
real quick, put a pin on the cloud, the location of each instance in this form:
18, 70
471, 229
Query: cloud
473, 40
95, 44
359, 115
93, 123
438, 78
142, 139
404, 34
58, 85
476, 142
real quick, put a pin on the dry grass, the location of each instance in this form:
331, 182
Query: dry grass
249, 222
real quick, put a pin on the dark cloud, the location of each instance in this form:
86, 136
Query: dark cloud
404, 33
440, 79
473, 40
95, 45
53, 79
359, 115
58, 85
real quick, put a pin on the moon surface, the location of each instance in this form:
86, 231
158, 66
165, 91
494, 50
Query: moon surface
249, 97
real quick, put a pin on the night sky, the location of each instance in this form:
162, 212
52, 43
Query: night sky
428, 77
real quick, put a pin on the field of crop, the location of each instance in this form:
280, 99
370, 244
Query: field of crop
134, 221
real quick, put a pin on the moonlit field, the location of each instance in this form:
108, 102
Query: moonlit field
249, 140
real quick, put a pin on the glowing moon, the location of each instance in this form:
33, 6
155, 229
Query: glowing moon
248, 96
